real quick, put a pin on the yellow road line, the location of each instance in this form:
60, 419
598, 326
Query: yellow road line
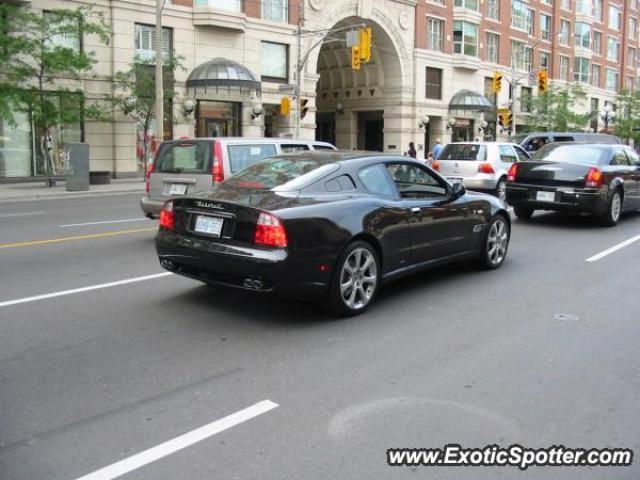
76, 237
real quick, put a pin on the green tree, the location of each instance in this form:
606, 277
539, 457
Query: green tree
134, 92
628, 116
555, 110
40, 54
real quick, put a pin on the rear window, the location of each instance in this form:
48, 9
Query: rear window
463, 152
322, 147
281, 173
580, 154
242, 156
518, 138
191, 157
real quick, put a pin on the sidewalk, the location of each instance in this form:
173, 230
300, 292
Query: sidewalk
15, 192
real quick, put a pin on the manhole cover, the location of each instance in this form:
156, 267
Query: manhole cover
566, 317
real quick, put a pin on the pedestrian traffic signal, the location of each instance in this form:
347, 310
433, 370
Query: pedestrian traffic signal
355, 57
505, 119
365, 44
543, 81
497, 82
285, 106
303, 107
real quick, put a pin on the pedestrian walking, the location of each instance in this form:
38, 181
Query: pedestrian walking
437, 150
412, 151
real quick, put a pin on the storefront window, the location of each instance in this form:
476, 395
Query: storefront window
15, 147
218, 119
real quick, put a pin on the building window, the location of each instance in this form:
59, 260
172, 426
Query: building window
64, 33
613, 49
519, 14
488, 90
633, 28
521, 55
275, 62
581, 70
598, 8
145, 42
614, 17
545, 60
595, 75
564, 67
596, 46
468, 4
275, 10
612, 80
583, 35
629, 83
465, 38
565, 5
585, 7
631, 57
232, 5
545, 27
530, 21
547, 2
493, 9
435, 34
493, 47
434, 83
565, 28
525, 99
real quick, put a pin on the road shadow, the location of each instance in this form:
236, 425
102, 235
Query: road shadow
569, 221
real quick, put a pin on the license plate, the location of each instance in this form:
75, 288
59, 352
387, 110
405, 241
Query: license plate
175, 189
546, 196
208, 225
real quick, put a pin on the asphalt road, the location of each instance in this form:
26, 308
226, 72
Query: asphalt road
453, 355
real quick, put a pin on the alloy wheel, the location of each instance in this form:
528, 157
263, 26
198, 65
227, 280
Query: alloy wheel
616, 206
502, 190
358, 278
497, 242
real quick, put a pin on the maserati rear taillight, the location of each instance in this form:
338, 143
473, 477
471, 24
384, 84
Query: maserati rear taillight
594, 178
513, 172
270, 231
167, 219
485, 167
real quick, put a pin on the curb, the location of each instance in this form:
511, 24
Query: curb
67, 195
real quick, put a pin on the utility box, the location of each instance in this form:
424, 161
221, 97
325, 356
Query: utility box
77, 166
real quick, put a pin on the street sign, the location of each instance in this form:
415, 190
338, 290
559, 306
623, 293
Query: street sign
287, 88
533, 78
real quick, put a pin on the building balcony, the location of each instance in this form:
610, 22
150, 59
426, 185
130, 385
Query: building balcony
226, 14
466, 62
466, 15
583, 52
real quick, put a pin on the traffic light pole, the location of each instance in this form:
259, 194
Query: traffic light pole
512, 100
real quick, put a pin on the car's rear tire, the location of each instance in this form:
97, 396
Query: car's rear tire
355, 280
496, 243
614, 210
523, 213
501, 189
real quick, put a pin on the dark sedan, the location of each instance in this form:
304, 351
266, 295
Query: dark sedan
329, 225
600, 179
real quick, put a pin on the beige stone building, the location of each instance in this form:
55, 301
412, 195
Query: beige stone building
429, 76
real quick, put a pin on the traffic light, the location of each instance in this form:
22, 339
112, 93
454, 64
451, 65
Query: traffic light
303, 107
365, 44
505, 119
497, 82
285, 106
355, 57
543, 81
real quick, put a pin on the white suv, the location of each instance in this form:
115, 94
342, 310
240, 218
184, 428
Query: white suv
481, 166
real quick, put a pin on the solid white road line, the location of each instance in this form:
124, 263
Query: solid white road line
613, 249
26, 214
178, 443
82, 289
139, 219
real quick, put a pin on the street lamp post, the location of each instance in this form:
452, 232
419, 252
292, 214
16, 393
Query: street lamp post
607, 115
159, 87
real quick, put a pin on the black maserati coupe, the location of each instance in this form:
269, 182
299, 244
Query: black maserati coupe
329, 225
600, 179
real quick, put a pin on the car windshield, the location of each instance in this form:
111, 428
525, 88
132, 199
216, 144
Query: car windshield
282, 173
463, 151
580, 154
192, 157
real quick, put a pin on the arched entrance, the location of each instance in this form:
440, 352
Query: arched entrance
360, 109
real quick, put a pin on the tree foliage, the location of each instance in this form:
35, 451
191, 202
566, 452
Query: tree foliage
555, 110
628, 116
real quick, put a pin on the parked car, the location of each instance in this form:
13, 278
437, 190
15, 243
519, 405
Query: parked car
600, 179
327, 225
481, 166
188, 166
532, 142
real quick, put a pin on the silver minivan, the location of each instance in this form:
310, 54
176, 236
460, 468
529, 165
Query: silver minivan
481, 166
193, 165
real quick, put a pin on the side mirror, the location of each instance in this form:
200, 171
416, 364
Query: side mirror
458, 190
